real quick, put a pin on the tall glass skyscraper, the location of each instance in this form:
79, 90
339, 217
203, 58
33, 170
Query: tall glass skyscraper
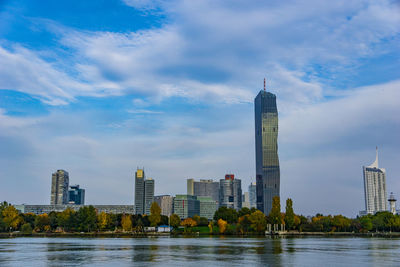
59, 188
267, 162
144, 193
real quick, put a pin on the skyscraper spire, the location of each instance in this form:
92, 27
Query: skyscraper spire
264, 84
375, 164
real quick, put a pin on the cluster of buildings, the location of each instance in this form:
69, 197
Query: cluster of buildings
204, 197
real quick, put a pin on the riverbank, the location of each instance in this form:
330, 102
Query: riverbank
155, 234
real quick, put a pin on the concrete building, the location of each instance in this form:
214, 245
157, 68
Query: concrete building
392, 203
186, 206
267, 161
203, 188
230, 192
41, 209
59, 188
76, 195
374, 187
144, 192
166, 203
208, 207
252, 195
246, 200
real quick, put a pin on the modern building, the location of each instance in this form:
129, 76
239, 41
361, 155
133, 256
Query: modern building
392, 203
76, 195
144, 192
230, 192
41, 209
59, 188
208, 207
374, 187
246, 200
267, 162
166, 203
252, 195
203, 188
186, 206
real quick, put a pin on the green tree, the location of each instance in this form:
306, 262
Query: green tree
226, 214
155, 214
275, 216
66, 219
86, 218
244, 211
26, 229
42, 222
196, 218
11, 217
244, 224
203, 221
258, 222
289, 214
174, 220
366, 223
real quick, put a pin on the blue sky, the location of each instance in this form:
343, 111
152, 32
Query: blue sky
100, 87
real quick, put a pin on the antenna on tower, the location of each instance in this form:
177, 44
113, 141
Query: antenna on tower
264, 84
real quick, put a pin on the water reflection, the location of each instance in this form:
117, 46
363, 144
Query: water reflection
69, 252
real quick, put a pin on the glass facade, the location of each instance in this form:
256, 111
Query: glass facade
230, 193
267, 161
144, 193
59, 188
76, 195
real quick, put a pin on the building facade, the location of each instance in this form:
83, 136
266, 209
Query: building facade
375, 187
186, 206
144, 192
267, 162
203, 188
252, 195
59, 188
41, 209
208, 207
246, 200
230, 192
76, 195
166, 203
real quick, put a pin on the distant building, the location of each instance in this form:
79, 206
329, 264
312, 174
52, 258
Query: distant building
41, 209
203, 188
208, 207
392, 203
374, 187
59, 188
166, 203
267, 161
76, 195
144, 192
253, 195
186, 206
230, 192
246, 200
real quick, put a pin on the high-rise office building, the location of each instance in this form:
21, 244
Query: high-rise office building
208, 207
166, 203
374, 187
246, 200
267, 162
203, 188
230, 192
76, 195
186, 206
59, 188
144, 193
252, 195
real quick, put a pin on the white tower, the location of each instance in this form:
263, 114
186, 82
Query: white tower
392, 203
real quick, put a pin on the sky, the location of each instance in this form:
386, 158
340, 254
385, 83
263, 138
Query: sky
100, 88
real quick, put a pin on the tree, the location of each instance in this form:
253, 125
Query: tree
366, 223
275, 214
244, 211
226, 214
155, 214
244, 224
289, 214
26, 229
103, 220
66, 219
41, 221
126, 222
222, 225
86, 218
11, 217
196, 218
174, 220
188, 222
203, 221
258, 222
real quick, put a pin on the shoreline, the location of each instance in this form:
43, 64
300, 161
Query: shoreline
198, 235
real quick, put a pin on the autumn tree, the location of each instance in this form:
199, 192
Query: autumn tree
66, 219
11, 217
275, 216
174, 220
155, 214
189, 222
103, 220
126, 222
222, 225
258, 222
42, 222
244, 224
289, 214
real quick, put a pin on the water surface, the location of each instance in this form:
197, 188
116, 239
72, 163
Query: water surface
213, 251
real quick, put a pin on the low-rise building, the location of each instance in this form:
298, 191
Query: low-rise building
41, 209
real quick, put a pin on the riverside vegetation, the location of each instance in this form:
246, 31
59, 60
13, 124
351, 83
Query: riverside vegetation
226, 221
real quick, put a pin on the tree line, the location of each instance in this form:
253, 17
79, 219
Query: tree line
225, 221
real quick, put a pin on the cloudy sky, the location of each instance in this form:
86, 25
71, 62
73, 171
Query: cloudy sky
99, 88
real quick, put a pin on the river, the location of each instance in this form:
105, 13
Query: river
201, 251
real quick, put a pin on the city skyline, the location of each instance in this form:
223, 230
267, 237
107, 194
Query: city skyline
100, 88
